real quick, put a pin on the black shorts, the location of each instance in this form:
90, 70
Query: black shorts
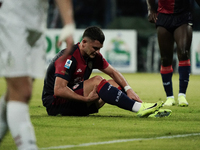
173, 21
70, 108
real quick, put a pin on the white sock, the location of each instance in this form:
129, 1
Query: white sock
136, 106
182, 94
170, 97
3, 120
20, 125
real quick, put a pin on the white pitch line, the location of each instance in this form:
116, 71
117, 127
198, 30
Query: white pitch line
120, 141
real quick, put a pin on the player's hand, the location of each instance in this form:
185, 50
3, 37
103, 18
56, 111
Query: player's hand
66, 35
132, 95
93, 96
152, 16
70, 43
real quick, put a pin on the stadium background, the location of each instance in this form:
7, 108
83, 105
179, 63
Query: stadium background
126, 14
112, 123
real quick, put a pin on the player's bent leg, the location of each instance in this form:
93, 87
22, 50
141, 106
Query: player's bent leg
89, 84
113, 83
100, 103
114, 96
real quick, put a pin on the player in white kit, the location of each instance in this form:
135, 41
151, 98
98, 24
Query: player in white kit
22, 57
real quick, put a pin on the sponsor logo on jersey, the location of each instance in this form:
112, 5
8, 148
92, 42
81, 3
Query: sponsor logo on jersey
75, 86
78, 79
68, 63
79, 70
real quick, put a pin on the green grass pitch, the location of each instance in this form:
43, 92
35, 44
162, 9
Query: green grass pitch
116, 129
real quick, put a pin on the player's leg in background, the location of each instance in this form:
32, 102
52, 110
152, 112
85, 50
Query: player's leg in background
183, 38
20, 89
166, 45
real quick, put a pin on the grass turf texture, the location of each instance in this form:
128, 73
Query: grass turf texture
113, 123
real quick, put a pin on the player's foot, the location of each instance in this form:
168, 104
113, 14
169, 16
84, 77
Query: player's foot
148, 108
161, 113
169, 102
182, 101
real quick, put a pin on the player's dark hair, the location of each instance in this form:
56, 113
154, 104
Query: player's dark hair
94, 33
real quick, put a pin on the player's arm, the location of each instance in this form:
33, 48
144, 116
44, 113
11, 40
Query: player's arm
152, 16
121, 81
67, 15
62, 90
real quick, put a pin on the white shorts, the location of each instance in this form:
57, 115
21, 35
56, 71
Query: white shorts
17, 57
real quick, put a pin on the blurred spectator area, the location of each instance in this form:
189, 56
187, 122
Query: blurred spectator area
98, 12
117, 14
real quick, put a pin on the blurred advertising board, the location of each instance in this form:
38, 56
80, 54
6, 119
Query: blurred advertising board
195, 53
119, 49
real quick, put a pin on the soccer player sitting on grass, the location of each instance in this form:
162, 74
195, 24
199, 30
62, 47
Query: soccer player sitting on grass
69, 91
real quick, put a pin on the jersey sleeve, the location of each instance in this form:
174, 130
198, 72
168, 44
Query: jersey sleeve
65, 69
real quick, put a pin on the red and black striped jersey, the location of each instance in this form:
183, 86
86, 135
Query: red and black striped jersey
173, 6
75, 68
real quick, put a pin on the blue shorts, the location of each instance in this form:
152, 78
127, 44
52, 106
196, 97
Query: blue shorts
173, 21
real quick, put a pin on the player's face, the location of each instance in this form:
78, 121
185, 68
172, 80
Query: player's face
93, 48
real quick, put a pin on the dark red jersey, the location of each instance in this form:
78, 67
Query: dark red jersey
173, 6
74, 69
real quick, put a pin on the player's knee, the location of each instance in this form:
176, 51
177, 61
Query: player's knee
183, 55
21, 93
166, 61
97, 79
27, 94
